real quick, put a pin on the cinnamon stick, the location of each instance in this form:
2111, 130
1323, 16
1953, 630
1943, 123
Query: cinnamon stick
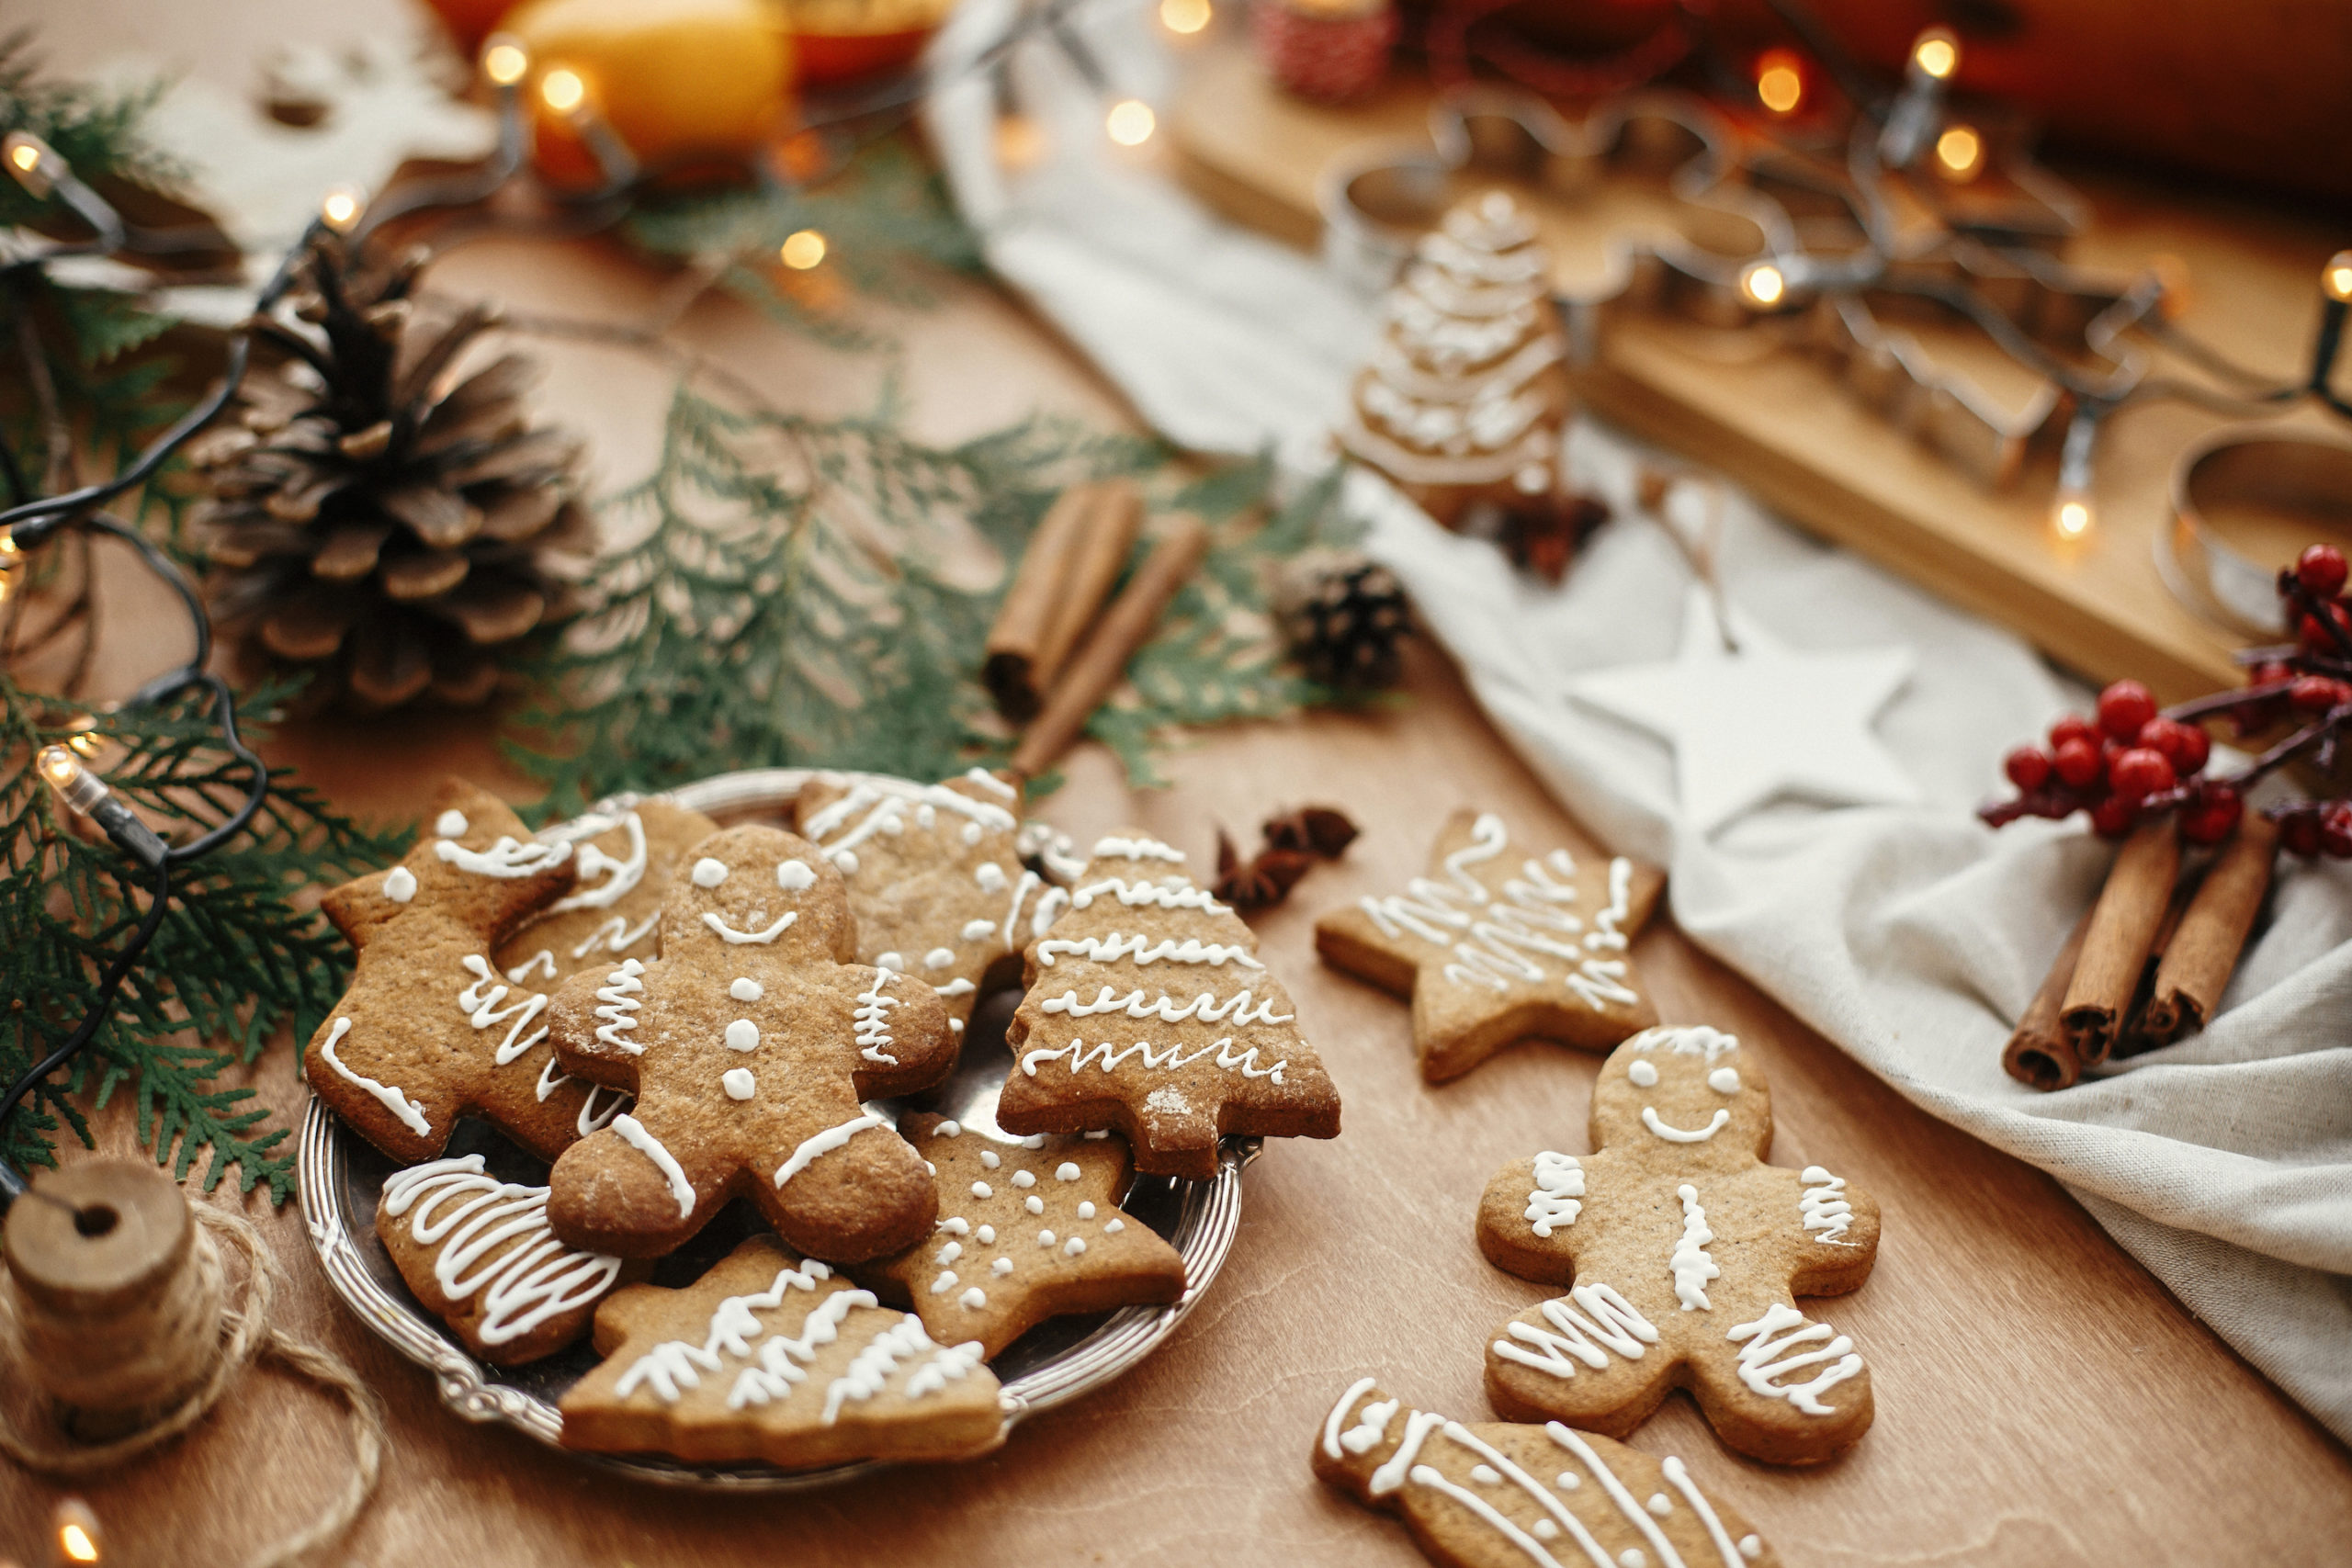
1105, 538
1025, 621
2038, 1053
2204, 952
1099, 662
2123, 927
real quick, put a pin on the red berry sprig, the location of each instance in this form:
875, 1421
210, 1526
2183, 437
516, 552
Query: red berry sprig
2132, 762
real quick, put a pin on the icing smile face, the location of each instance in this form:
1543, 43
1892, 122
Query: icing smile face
1693, 1088
757, 891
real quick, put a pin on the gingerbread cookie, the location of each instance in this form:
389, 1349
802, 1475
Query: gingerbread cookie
749, 1044
429, 1030
478, 1253
1499, 1495
935, 879
770, 1358
1497, 944
1149, 1012
1029, 1230
627, 858
1686, 1251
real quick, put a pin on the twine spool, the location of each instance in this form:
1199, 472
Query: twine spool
118, 1306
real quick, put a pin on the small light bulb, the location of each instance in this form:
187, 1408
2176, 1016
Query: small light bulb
1779, 85
30, 160
1185, 17
563, 90
804, 249
504, 60
1131, 122
342, 206
1937, 54
57, 766
23, 155
1959, 152
75, 785
2337, 276
2070, 517
77, 1532
1763, 284
75, 1542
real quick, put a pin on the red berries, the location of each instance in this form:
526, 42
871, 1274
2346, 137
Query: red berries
2124, 708
2321, 570
2079, 761
2317, 693
2314, 635
2073, 727
2213, 816
2115, 817
2336, 829
2139, 771
2028, 767
2299, 833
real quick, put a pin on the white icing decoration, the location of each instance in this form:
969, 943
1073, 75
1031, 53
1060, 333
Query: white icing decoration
782, 923
1033, 1204
1644, 1074
620, 994
974, 1298
1824, 1206
743, 989
1235, 1009
1066, 1171
990, 877
481, 1010
709, 873
824, 1142
742, 1034
1674, 1135
939, 958
795, 876
1045, 1239
889, 961
1559, 1182
993, 784
400, 885
1659, 1504
674, 1366
870, 1370
978, 930
990, 1159
1391, 1474
1758, 1367
505, 859
1677, 1475
1113, 1227
1136, 849
1073, 1246
950, 1253
1107, 1056
739, 1083
1001, 1265
959, 986
1751, 1547
411, 1112
451, 824
872, 1018
633, 1133
982, 1190
1634, 1512
944, 1283
615, 935
1686, 1040
845, 862
885, 803
521, 973
1614, 1321
1050, 905
1096, 1134
1724, 1080
1690, 1265
950, 1129
985, 1235
1158, 895
1086, 1211
1108, 949
626, 874
1024, 1179
535, 1278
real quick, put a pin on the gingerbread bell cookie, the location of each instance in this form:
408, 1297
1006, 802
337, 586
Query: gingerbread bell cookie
478, 1253
430, 1029
627, 858
934, 874
771, 1357
1501, 1495
1685, 1253
750, 1044
1502, 940
1148, 1012
1029, 1229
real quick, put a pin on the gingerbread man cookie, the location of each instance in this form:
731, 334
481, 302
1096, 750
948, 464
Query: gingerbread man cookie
1686, 1252
1498, 944
1500, 1495
768, 1356
1030, 1229
749, 1044
627, 859
935, 879
478, 1253
429, 1030
1149, 1012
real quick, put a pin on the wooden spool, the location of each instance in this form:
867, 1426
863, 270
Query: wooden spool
116, 1318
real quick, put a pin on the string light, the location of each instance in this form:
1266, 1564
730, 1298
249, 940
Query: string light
1959, 152
341, 208
12, 561
2070, 517
2336, 277
804, 250
1779, 85
1936, 53
563, 90
1131, 122
1184, 16
76, 786
1762, 284
32, 162
77, 1532
504, 60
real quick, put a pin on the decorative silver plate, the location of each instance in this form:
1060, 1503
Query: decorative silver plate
342, 1176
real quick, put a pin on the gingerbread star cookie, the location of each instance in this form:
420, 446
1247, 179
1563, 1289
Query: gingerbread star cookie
1148, 1012
1499, 942
1686, 1253
478, 1253
1500, 1495
627, 859
935, 879
429, 1030
1029, 1229
749, 1044
769, 1357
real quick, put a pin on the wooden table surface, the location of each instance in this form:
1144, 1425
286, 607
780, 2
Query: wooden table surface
2042, 1400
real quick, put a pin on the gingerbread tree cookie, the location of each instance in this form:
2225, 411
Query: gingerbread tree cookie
1499, 1495
428, 1030
1149, 1012
1686, 1252
478, 1253
1498, 944
749, 1044
1029, 1230
627, 859
935, 874
770, 1358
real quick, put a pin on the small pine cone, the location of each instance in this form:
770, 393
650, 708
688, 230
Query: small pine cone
1344, 618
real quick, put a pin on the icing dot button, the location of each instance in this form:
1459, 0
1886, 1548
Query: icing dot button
845, 861
451, 825
1073, 1246
1113, 1227
1724, 1080
794, 877
746, 989
971, 832
985, 1235
1066, 1171
938, 958
709, 873
1544, 1529
1024, 1179
890, 961
400, 885
1001, 1265
1631, 1557
990, 1159
1486, 1476
990, 877
978, 930
1660, 1505
1086, 1211
974, 1298
1035, 1204
737, 1082
1568, 1481
982, 1190
944, 1283
951, 1129
743, 1035
1644, 1074
1751, 1547
1045, 1239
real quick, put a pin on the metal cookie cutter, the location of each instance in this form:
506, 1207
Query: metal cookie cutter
2279, 473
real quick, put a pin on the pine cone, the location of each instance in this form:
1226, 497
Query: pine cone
1344, 618
373, 516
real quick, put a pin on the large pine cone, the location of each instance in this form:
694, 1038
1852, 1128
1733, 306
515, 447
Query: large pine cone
376, 518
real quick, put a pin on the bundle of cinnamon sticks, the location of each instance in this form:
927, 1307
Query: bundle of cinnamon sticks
2149, 963
1056, 650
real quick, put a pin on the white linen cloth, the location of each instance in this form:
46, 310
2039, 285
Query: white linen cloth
1911, 936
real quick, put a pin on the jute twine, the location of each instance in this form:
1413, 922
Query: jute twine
188, 1339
